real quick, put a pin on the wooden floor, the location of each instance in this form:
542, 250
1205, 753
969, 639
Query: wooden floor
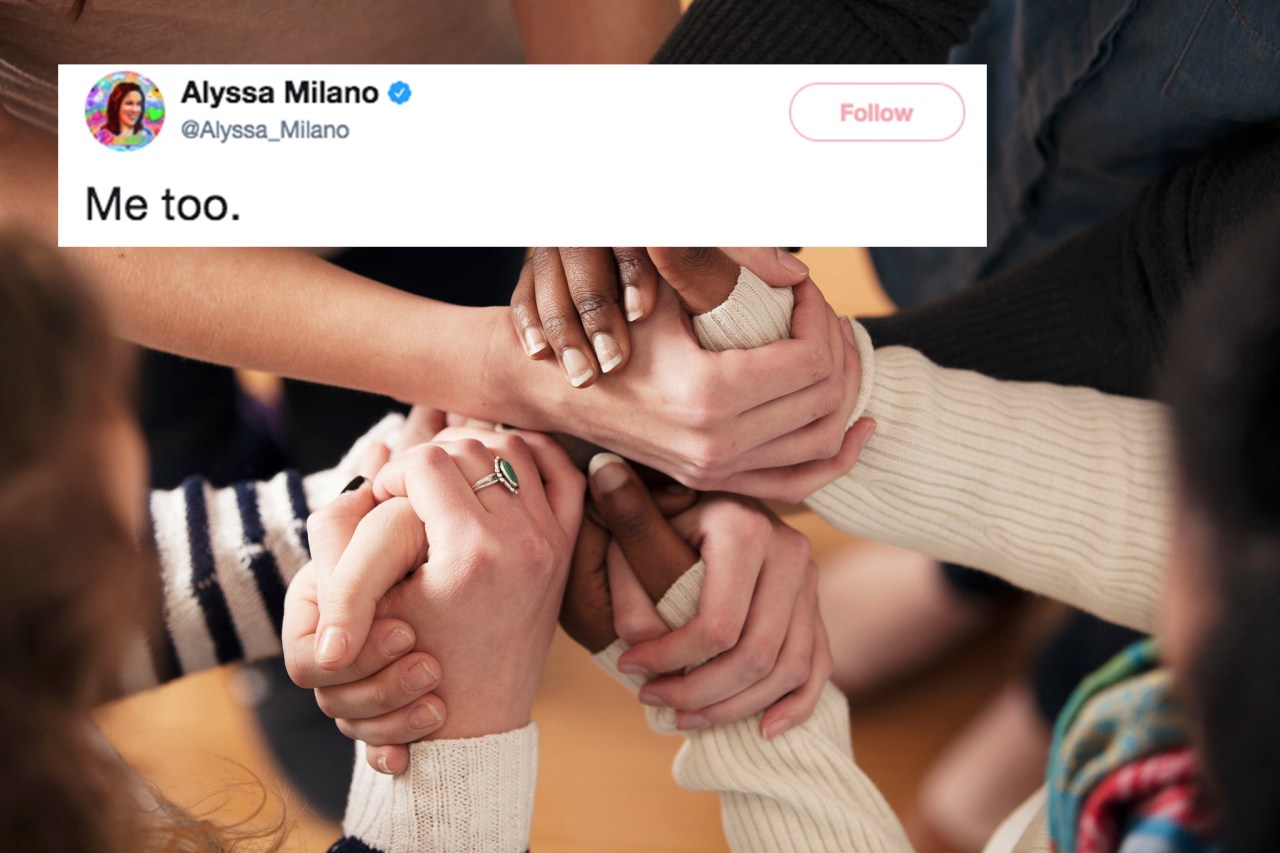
605, 781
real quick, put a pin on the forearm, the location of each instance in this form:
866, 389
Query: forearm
1096, 311
820, 31
281, 311
1062, 491
225, 558
593, 31
802, 785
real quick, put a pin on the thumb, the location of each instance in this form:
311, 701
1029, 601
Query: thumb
702, 278
656, 553
388, 543
775, 267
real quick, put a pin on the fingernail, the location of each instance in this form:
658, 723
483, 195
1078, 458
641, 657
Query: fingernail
419, 678
651, 699
607, 471
576, 366
354, 484
693, 721
633, 301
776, 728
632, 668
332, 645
792, 263
534, 341
607, 350
846, 325
383, 767
396, 643
424, 716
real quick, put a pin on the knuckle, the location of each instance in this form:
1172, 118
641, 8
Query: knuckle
631, 263
511, 446
472, 447
630, 628
796, 547
539, 555
834, 397
559, 325
758, 663
431, 456
794, 675
630, 526
480, 553
545, 260
833, 441
696, 257
721, 634
746, 519
817, 363
707, 455
593, 308
382, 696
325, 703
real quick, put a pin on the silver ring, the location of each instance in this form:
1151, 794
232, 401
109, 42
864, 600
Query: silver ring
502, 473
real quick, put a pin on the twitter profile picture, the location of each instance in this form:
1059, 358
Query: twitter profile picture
124, 111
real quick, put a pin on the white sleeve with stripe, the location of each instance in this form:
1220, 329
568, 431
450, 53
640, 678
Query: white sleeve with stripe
225, 559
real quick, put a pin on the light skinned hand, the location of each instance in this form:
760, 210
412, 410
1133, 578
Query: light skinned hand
387, 682
484, 596
575, 303
712, 420
757, 611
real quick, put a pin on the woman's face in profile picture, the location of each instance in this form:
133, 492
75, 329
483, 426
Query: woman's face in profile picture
130, 110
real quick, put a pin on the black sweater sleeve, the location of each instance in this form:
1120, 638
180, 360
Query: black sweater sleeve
1096, 310
822, 31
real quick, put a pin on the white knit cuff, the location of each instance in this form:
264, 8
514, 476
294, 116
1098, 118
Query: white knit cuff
678, 606
755, 314
472, 795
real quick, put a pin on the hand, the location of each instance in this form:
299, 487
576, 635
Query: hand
485, 599
382, 695
570, 302
757, 611
714, 420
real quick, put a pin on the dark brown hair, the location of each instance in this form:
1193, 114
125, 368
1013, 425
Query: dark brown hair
75, 588
116, 99
1223, 384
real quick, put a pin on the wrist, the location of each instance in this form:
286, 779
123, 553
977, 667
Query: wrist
518, 390
503, 702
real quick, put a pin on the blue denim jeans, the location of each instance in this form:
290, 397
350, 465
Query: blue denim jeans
1089, 101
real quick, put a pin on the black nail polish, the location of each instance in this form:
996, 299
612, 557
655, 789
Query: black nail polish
355, 484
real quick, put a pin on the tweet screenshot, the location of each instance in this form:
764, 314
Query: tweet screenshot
389, 462
262, 155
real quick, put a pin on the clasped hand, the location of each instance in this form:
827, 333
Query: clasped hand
428, 608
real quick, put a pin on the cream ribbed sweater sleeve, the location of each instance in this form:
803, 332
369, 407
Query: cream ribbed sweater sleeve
1061, 491
472, 795
799, 791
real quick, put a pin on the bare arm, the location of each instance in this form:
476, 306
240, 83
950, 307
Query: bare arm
594, 31
278, 310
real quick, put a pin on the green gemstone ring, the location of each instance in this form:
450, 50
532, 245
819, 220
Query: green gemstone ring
502, 473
